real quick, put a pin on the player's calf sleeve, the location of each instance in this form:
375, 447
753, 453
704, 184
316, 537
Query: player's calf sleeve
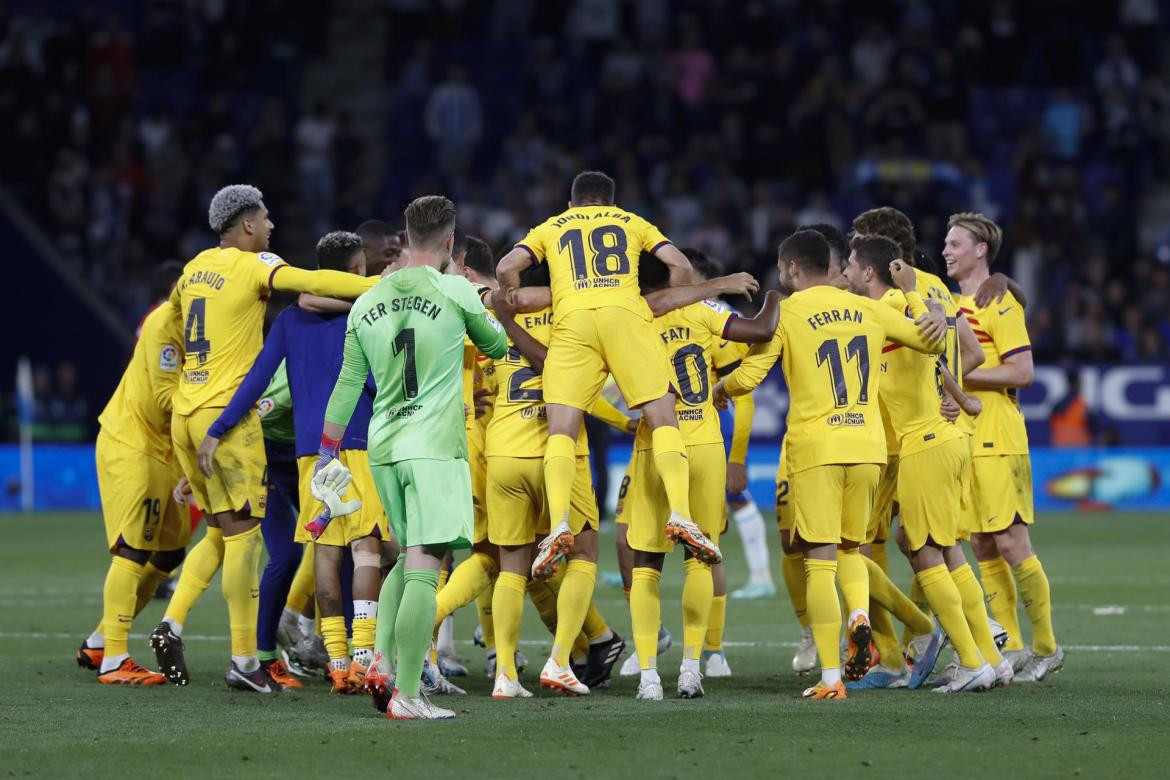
824, 610
365, 619
119, 595
755, 541
200, 566
697, 593
853, 578
715, 621
413, 627
572, 603
645, 614
241, 588
670, 461
999, 589
508, 612
389, 597
883, 590
948, 605
336, 646
544, 599
976, 613
560, 469
1034, 590
152, 577
792, 567
304, 582
466, 583
483, 610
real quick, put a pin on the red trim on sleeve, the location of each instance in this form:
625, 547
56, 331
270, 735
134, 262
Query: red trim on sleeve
727, 324
658, 246
1016, 351
274, 270
891, 347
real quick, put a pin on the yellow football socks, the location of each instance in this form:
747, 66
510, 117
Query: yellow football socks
918, 597
201, 565
1033, 584
976, 612
883, 590
152, 577
241, 587
572, 603
645, 614
792, 567
118, 599
853, 580
698, 590
594, 625
333, 632
507, 613
713, 642
544, 599
470, 579
483, 609
560, 469
877, 554
670, 461
824, 610
948, 605
999, 588
304, 582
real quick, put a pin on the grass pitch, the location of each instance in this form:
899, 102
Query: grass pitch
1105, 714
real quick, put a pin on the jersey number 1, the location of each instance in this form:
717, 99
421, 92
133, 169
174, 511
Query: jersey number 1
404, 342
830, 352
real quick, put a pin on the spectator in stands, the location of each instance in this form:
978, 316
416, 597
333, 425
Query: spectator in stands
454, 120
314, 141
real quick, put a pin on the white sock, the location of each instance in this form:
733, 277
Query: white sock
307, 625
112, 662
246, 663
755, 542
364, 609
608, 635
96, 639
830, 676
447, 636
363, 656
690, 665
650, 676
338, 663
176, 626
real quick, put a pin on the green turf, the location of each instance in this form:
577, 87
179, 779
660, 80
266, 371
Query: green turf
1105, 714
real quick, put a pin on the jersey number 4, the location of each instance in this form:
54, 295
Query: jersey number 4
607, 241
830, 352
194, 332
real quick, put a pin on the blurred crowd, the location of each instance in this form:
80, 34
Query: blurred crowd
727, 123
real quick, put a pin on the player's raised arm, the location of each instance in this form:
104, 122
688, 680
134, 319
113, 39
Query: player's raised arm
612, 416
322, 282
529, 347
522, 299
751, 372
164, 356
510, 265
670, 298
483, 329
758, 329
675, 261
919, 336
970, 353
995, 287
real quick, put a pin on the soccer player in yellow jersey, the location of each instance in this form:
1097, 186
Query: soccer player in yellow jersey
1002, 484
829, 342
219, 303
146, 532
933, 457
601, 323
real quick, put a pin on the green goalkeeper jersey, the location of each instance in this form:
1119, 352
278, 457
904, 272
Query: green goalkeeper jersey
408, 332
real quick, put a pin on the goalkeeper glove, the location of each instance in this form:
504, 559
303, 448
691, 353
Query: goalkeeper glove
328, 486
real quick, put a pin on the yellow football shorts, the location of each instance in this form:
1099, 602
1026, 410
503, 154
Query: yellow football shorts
136, 498
930, 493
478, 465
968, 517
1003, 491
833, 503
785, 510
878, 529
341, 531
516, 507
648, 509
620, 515
239, 478
589, 343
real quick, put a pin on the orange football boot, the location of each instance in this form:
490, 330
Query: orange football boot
822, 691
340, 678
281, 675
130, 672
90, 657
357, 675
379, 685
862, 654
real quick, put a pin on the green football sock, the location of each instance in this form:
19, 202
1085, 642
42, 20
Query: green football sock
389, 597
414, 626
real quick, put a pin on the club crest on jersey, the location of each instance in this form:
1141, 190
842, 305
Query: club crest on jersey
168, 358
270, 259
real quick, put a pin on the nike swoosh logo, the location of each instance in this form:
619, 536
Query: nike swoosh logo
1004, 311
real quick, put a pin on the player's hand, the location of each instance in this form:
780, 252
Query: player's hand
994, 288
205, 455
482, 402
504, 303
736, 477
632, 424
333, 478
182, 491
933, 324
950, 408
904, 276
719, 395
741, 283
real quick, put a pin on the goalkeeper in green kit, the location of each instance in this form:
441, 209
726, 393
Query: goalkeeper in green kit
408, 331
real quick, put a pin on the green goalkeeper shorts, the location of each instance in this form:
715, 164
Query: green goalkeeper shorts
428, 502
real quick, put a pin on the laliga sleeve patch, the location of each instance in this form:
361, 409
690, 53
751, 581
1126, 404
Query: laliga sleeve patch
270, 259
168, 358
265, 407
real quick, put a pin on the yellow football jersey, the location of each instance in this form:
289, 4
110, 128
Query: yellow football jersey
727, 357
1001, 331
470, 360
519, 422
829, 342
139, 412
593, 252
691, 335
221, 296
910, 391
930, 286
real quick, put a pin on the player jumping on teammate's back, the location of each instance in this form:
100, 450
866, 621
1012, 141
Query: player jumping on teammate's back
409, 331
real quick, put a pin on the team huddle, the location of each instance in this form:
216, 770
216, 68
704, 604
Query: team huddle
438, 404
